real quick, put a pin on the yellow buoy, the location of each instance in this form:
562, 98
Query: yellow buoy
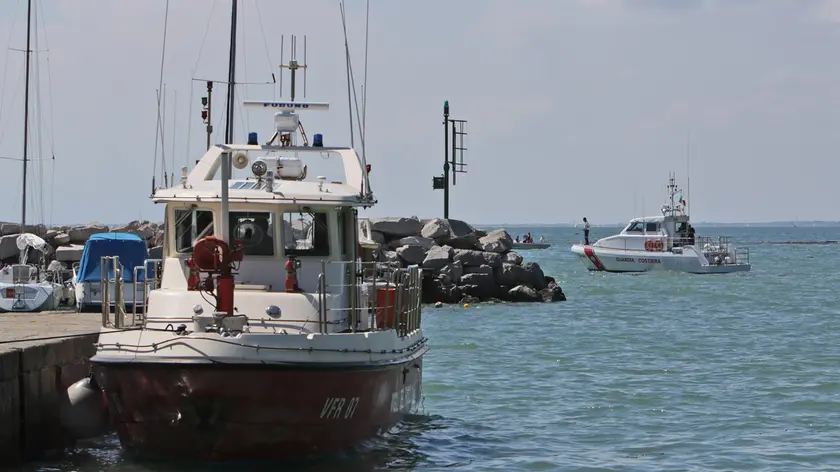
466, 305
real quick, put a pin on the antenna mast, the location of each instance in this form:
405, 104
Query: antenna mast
226, 160
26, 116
688, 174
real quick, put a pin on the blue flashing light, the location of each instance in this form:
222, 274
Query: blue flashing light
317, 140
252, 139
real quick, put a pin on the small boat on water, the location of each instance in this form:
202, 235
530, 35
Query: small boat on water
531, 245
664, 242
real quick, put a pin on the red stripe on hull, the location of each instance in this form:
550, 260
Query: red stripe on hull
239, 412
590, 253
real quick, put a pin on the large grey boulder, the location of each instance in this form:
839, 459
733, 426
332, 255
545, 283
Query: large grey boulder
536, 277
61, 239
436, 229
8, 247
71, 253
437, 258
462, 235
496, 241
426, 243
453, 271
7, 228
513, 257
482, 269
411, 254
513, 275
474, 258
396, 227
156, 252
482, 286
438, 290
523, 293
80, 234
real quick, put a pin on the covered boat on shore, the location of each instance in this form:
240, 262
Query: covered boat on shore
87, 274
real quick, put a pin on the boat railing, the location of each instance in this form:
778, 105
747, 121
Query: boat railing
389, 297
111, 272
144, 286
721, 246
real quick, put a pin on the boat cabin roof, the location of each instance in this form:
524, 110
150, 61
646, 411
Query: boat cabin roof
201, 185
659, 219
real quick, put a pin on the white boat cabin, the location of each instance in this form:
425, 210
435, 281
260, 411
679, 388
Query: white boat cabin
275, 214
657, 233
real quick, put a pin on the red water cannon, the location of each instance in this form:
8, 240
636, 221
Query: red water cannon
214, 257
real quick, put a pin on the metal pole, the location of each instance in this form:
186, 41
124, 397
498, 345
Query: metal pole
26, 117
446, 159
226, 160
209, 111
454, 151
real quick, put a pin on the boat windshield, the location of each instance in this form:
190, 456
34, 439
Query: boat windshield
635, 227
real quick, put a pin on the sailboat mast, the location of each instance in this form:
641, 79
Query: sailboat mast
226, 157
26, 116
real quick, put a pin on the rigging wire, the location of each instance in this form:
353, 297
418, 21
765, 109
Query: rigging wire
365, 87
195, 67
158, 131
267, 52
347, 66
352, 84
6, 63
51, 132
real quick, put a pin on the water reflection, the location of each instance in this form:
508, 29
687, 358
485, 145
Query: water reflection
398, 450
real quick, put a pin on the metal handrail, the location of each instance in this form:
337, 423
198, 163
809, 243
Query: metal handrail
402, 299
106, 265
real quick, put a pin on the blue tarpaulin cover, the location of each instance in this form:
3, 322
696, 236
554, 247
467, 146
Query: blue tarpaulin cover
129, 247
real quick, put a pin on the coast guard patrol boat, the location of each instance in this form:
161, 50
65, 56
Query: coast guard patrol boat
265, 336
663, 243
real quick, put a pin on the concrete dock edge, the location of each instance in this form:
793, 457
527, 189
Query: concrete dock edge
33, 382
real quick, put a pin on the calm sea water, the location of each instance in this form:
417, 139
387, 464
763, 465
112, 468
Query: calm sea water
634, 372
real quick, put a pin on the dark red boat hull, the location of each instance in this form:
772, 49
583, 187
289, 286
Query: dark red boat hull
224, 412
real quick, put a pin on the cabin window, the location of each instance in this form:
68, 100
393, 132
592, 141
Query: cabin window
306, 234
635, 227
254, 230
652, 227
190, 226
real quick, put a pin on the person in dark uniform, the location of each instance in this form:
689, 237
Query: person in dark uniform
585, 231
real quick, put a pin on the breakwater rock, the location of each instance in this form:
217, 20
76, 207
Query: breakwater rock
461, 263
67, 242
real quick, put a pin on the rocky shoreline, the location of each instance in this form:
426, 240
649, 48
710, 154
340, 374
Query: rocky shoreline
67, 242
462, 263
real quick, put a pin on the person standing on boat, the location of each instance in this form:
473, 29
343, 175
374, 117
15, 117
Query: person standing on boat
585, 231
690, 235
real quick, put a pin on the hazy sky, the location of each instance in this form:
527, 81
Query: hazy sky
575, 107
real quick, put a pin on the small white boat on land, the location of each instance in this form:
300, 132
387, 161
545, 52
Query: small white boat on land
23, 286
664, 242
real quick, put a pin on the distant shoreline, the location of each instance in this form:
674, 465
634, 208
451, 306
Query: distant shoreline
708, 224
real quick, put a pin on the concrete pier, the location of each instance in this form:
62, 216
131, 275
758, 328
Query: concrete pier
35, 374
